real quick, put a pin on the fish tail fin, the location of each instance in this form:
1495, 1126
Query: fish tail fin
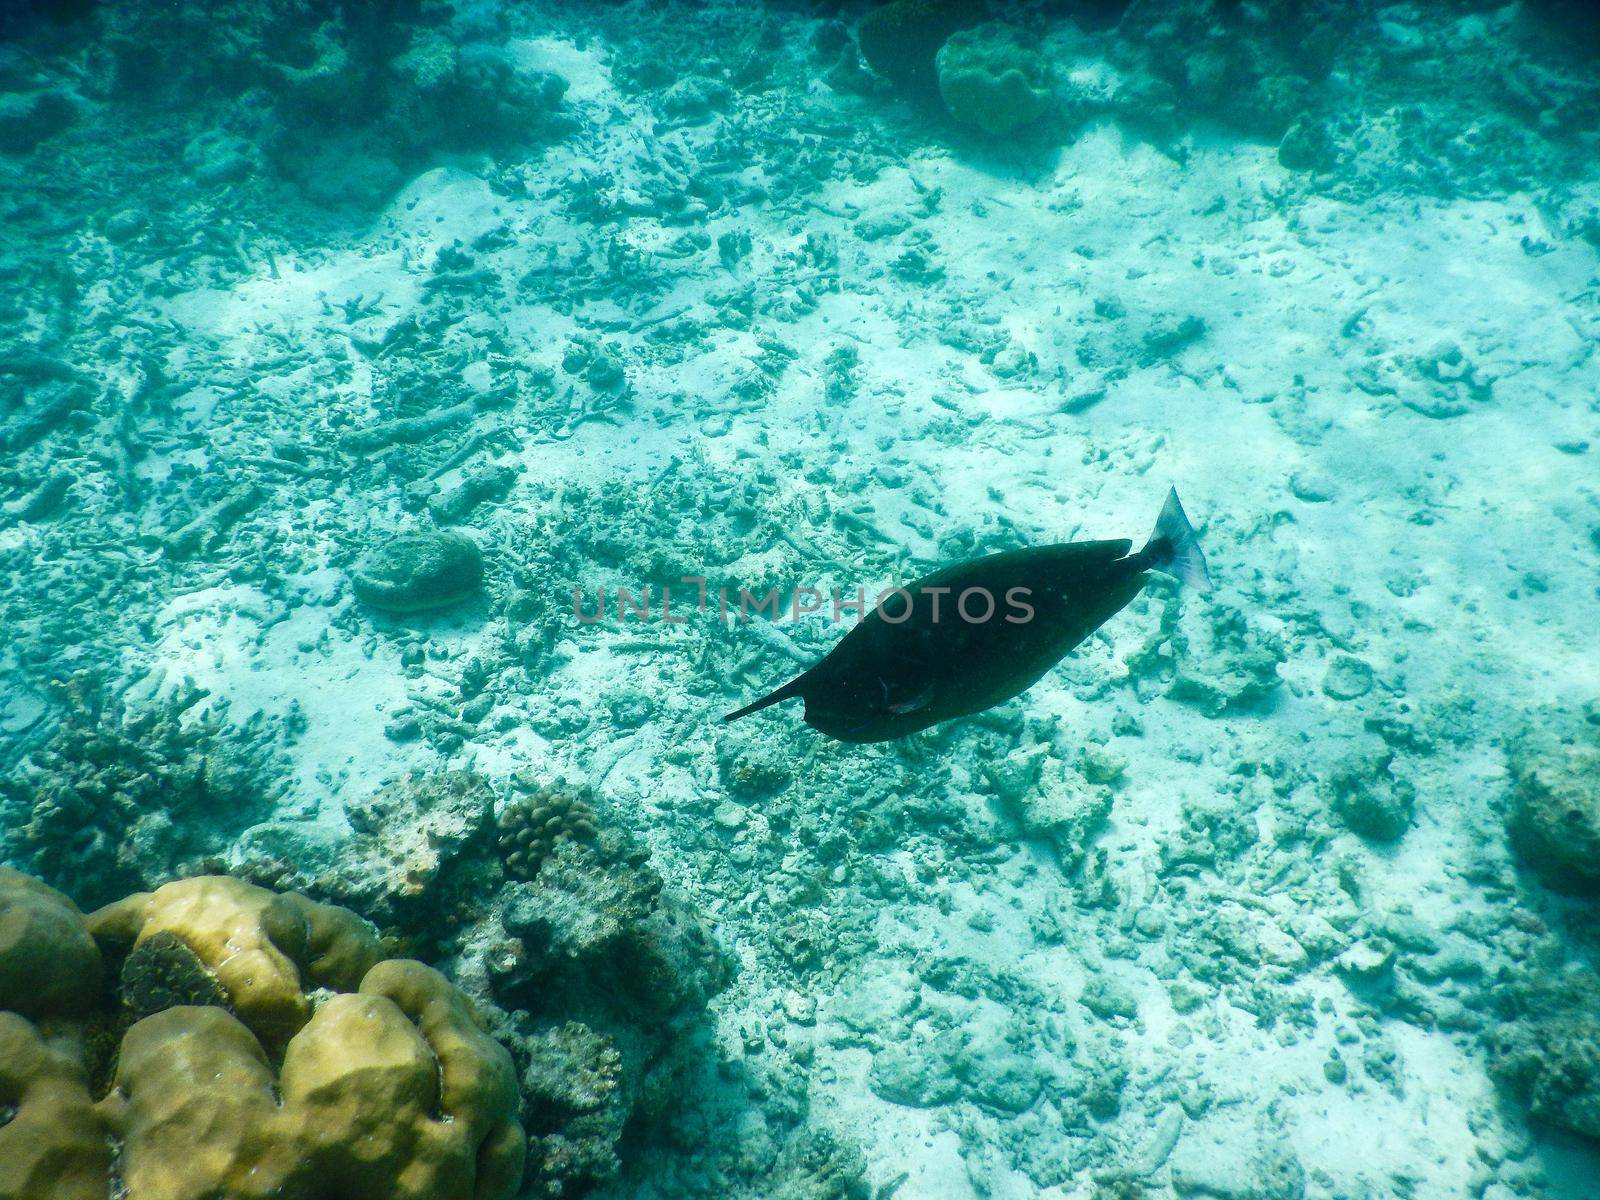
792, 688
1173, 548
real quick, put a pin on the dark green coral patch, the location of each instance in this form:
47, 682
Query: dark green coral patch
900, 40
417, 572
162, 973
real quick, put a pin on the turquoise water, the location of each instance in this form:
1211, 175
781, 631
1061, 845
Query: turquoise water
420, 424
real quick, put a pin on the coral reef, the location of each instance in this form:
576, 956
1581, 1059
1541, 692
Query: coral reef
264, 950
53, 1143
390, 1091
404, 88
418, 572
391, 1088
1238, 884
611, 973
51, 964
594, 974
991, 79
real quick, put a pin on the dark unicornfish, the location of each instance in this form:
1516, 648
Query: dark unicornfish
974, 635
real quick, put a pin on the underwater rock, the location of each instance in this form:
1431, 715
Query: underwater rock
900, 40
419, 572
916, 1076
1208, 1171
1546, 1050
1307, 146
1368, 797
1246, 64
589, 916
575, 1088
624, 970
991, 79
753, 768
1554, 814
817, 1164
1051, 802
1232, 665
455, 504
29, 118
420, 848
214, 157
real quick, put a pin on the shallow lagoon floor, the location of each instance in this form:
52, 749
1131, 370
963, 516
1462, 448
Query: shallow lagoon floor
1225, 906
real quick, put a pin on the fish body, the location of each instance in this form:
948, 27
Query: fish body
975, 634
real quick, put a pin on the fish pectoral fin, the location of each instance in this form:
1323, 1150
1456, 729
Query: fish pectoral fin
913, 703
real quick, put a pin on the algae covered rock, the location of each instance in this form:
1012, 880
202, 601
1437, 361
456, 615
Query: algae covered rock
576, 1088
419, 848
419, 572
992, 80
1229, 664
609, 975
27, 119
1554, 816
1368, 797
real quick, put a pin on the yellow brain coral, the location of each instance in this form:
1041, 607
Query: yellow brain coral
387, 1089
54, 1147
265, 950
49, 965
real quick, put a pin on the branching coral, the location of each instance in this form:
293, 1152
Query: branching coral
126, 794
